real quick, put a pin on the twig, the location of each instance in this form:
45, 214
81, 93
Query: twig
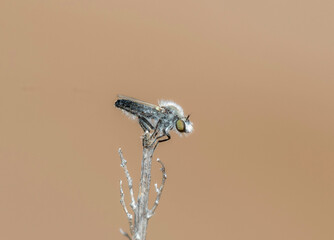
130, 217
141, 219
133, 203
158, 190
125, 234
128, 177
140, 208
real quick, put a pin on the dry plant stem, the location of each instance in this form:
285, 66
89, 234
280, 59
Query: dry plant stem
133, 203
141, 212
158, 190
125, 234
130, 217
141, 218
129, 179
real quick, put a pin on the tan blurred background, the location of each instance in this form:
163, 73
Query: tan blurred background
256, 76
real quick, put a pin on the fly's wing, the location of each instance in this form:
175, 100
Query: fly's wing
138, 108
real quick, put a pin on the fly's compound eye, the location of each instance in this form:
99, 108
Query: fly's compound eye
180, 125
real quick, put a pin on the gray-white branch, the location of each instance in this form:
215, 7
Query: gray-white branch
150, 213
133, 203
129, 179
138, 223
130, 217
125, 234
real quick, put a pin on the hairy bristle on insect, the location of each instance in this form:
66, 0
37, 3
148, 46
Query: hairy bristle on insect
167, 103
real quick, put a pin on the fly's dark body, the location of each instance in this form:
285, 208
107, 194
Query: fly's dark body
159, 119
137, 109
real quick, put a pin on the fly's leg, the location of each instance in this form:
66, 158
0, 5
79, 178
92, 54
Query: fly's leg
156, 129
145, 124
159, 140
164, 140
148, 134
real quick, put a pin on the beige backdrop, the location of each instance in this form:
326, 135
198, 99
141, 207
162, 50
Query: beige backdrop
256, 76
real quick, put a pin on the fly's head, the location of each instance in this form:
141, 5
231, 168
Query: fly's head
182, 123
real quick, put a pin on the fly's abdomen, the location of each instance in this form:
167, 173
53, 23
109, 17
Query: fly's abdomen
137, 109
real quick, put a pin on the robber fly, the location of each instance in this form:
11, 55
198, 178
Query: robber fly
160, 119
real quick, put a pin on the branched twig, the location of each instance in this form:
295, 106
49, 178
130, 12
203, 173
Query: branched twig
138, 224
128, 177
125, 234
133, 203
150, 213
130, 217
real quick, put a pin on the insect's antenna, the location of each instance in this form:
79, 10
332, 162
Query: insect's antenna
188, 117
